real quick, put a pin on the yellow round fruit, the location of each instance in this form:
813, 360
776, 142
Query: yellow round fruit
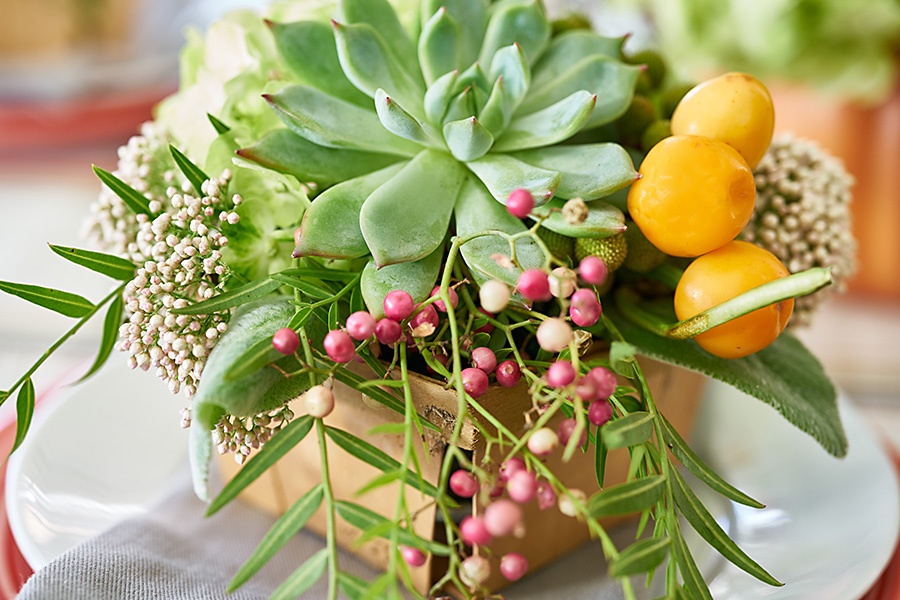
734, 108
721, 275
695, 194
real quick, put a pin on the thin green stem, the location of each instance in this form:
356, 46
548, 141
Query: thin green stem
328, 496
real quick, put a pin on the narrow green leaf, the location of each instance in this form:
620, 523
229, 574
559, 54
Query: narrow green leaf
24, 412
65, 303
501, 174
192, 172
704, 524
333, 317
275, 448
378, 481
356, 300
467, 139
105, 264
700, 469
437, 97
627, 498
236, 297
640, 557
471, 15
354, 587
381, 396
281, 532
387, 428
693, 580
364, 519
371, 455
220, 127
308, 288
600, 452
110, 334
134, 200
397, 225
323, 273
568, 48
303, 578
589, 171
254, 358
628, 431
300, 317
439, 46
524, 24
550, 125
396, 120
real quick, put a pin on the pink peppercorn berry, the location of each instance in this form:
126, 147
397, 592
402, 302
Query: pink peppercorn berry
565, 430
534, 285
424, 322
454, 298
487, 327
484, 359
560, 374
593, 270
599, 412
543, 442
286, 341
520, 203
586, 388
473, 531
388, 331
522, 486
513, 566
585, 309
502, 517
605, 380
508, 373
475, 381
398, 305
339, 346
510, 466
463, 484
360, 325
546, 497
413, 556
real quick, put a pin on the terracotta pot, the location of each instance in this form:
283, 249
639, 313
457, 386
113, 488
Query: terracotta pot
549, 534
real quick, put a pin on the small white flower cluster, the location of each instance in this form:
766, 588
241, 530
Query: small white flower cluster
241, 435
803, 215
147, 166
182, 263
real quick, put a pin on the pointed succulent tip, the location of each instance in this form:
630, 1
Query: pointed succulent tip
270, 23
643, 68
297, 253
335, 24
242, 153
638, 175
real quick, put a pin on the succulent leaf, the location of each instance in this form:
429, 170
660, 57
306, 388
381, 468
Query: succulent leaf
330, 226
332, 122
477, 211
439, 46
417, 278
603, 220
613, 83
437, 97
497, 111
398, 121
369, 64
473, 76
509, 62
570, 48
588, 171
521, 23
501, 174
380, 15
286, 152
467, 139
471, 15
298, 41
461, 106
406, 218
553, 124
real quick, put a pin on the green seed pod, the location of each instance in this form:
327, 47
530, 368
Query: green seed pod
612, 249
560, 246
656, 132
636, 119
642, 256
672, 96
656, 66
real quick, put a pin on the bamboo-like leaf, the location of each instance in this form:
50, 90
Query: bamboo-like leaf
380, 15
281, 532
330, 225
323, 273
627, 498
439, 45
65, 303
568, 48
471, 15
589, 171
641, 557
284, 151
700, 469
356, 300
397, 225
600, 452
704, 524
364, 519
354, 587
396, 120
333, 317
371, 455
467, 139
629, 430
510, 64
24, 412
550, 125
281, 442
501, 174
134, 200
303, 578
522, 23
693, 580
192, 172
307, 287
379, 395
437, 97
106, 264
603, 220
110, 334
220, 127
417, 278
236, 297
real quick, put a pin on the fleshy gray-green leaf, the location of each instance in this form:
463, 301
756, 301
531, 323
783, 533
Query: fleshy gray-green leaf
784, 375
461, 106
471, 15
497, 111
299, 41
589, 171
603, 220
303, 578
477, 211
439, 46
437, 97
640, 557
236, 297
417, 278
568, 49
380, 16
550, 125
105, 264
407, 217
467, 139
627, 431
110, 334
510, 63
284, 151
501, 174
396, 120
626, 498
473, 76
330, 225
524, 24
329, 121
65, 303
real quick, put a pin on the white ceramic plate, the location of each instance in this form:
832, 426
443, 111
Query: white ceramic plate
828, 529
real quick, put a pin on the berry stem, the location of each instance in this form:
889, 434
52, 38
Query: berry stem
331, 537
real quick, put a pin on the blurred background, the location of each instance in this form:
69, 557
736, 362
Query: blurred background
78, 77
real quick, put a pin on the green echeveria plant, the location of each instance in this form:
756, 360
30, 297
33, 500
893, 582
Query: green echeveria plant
322, 191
